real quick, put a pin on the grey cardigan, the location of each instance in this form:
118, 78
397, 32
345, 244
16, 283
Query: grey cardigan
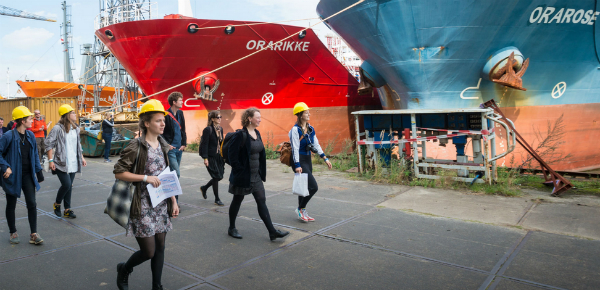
57, 140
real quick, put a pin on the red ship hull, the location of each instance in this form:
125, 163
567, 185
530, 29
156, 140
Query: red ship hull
160, 54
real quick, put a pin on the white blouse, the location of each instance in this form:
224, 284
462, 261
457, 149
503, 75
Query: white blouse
72, 162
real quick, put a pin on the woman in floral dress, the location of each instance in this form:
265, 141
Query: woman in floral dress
148, 224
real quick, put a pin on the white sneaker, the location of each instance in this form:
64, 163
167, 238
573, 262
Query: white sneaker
306, 217
301, 215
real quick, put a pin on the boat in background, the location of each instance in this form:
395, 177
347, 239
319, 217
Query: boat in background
50, 89
161, 53
439, 54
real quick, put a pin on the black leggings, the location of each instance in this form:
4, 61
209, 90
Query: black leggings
153, 249
28, 187
66, 186
215, 185
261, 203
313, 187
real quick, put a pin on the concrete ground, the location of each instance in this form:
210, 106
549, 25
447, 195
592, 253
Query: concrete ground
366, 236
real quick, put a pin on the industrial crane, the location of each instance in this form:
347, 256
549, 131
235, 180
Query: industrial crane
18, 13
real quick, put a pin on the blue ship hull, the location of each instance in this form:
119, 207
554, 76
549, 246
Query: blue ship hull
431, 54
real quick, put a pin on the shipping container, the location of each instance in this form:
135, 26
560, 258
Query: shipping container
47, 106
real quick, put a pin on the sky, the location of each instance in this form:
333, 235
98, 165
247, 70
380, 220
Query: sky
32, 49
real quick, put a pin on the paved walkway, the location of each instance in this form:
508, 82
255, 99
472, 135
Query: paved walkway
367, 236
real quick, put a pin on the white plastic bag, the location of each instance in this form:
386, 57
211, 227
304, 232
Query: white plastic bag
300, 186
45, 164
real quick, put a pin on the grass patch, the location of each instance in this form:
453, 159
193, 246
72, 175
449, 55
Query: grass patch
270, 147
582, 186
194, 146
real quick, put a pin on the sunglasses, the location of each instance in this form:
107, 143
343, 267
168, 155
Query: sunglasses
219, 117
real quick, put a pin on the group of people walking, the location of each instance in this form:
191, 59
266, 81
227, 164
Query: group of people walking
160, 145
21, 170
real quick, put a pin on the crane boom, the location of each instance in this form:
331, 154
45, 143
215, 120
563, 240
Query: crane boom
18, 13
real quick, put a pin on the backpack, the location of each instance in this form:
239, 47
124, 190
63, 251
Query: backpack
285, 153
225, 144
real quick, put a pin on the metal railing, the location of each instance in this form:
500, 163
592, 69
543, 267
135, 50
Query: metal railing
126, 13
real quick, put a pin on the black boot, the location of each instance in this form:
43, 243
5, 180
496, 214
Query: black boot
234, 233
278, 234
123, 277
203, 190
157, 287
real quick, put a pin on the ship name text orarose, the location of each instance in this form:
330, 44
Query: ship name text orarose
562, 15
281, 46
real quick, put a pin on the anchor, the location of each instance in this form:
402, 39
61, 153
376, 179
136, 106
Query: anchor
203, 94
506, 76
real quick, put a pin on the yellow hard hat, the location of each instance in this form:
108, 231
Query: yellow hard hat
300, 107
21, 112
65, 109
152, 106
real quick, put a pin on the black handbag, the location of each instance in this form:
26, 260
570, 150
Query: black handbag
40, 176
118, 203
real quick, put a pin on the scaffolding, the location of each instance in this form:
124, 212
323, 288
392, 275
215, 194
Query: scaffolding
108, 72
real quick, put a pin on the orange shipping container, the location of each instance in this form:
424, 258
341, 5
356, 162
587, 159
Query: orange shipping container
47, 106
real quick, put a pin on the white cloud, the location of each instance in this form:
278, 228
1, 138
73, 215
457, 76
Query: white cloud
28, 58
57, 77
26, 38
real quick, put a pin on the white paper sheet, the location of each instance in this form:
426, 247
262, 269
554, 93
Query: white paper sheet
169, 186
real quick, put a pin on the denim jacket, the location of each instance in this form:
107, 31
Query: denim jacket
10, 156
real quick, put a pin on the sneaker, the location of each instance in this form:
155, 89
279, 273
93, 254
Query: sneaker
107, 160
36, 239
305, 214
301, 216
57, 210
70, 214
14, 238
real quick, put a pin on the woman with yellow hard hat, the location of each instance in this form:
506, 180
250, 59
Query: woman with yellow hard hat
149, 224
304, 143
63, 145
20, 170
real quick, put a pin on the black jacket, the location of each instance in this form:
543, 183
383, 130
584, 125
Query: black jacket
240, 160
209, 142
107, 126
170, 125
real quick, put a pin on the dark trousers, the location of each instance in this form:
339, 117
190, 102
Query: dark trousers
313, 187
261, 204
107, 140
66, 186
39, 141
28, 188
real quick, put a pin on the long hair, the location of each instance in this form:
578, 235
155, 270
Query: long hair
211, 115
299, 118
67, 124
249, 113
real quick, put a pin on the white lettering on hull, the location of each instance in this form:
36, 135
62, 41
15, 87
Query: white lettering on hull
279, 46
549, 15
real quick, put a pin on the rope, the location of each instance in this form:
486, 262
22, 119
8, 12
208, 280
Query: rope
63, 88
258, 23
231, 63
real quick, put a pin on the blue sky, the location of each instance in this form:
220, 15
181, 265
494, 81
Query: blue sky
32, 48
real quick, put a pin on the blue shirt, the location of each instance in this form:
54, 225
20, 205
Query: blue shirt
177, 134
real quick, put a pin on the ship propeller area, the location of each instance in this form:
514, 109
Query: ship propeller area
507, 67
